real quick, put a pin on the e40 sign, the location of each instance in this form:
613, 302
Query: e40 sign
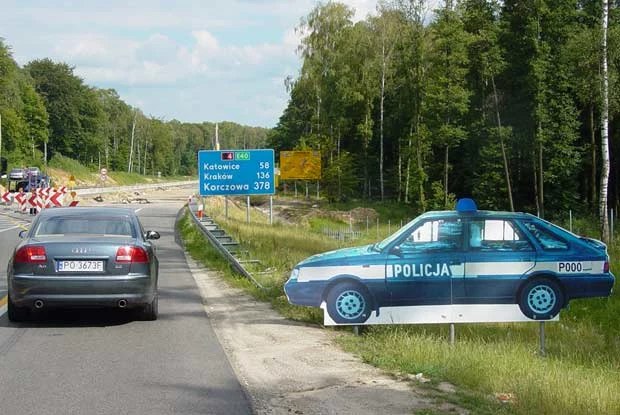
236, 172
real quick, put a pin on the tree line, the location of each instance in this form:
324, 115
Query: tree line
500, 101
47, 110
505, 102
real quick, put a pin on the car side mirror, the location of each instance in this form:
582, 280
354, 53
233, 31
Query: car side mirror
151, 235
23, 233
396, 251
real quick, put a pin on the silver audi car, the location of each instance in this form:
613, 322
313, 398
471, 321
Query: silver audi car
84, 257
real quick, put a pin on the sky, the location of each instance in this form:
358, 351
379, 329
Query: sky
189, 60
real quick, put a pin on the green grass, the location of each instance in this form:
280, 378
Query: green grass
388, 211
71, 166
123, 178
491, 359
579, 374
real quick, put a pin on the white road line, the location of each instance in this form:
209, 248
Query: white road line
8, 229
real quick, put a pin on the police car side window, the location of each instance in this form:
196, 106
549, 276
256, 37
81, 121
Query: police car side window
435, 235
546, 239
496, 236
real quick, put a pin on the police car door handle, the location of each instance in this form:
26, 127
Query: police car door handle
456, 262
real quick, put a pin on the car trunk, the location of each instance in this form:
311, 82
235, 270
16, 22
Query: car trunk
92, 255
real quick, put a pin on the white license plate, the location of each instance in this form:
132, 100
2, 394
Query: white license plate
79, 266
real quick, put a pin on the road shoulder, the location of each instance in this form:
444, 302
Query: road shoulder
289, 367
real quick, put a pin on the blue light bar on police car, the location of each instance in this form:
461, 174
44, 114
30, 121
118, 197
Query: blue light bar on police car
466, 206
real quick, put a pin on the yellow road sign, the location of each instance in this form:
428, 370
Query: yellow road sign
301, 165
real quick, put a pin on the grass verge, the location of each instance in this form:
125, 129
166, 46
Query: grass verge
89, 174
579, 375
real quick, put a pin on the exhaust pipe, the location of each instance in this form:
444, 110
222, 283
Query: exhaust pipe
122, 303
38, 304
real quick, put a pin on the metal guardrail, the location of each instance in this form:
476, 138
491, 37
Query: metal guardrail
344, 234
226, 245
108, 189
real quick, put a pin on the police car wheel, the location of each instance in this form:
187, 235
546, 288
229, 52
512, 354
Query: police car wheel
348, 303
541, 299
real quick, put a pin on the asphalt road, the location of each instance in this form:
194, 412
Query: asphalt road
10, 225
103, 362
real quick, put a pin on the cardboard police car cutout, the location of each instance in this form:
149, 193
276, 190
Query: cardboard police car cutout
460, 266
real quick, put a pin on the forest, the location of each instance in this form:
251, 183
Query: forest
513, 103
500, 101
47, 110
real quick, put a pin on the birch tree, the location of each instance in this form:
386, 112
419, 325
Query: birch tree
387, 30
604, 127
448, 95
414, 64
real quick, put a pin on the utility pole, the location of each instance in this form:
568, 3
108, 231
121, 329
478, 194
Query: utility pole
133, 131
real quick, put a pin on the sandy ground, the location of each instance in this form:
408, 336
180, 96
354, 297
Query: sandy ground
295, 368
288, 367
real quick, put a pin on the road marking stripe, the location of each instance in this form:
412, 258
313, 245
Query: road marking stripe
8, 229
3, 301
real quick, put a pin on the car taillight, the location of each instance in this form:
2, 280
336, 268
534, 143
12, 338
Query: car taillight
606, 267
31, 255
131, 254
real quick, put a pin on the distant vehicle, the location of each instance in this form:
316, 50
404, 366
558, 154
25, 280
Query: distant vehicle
84, 257
33, 171
454, 258
17, 174
27, 179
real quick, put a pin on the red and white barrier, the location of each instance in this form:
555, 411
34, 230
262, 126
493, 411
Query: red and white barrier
34, 202
20, 198
7, 198
38, 199
55, 200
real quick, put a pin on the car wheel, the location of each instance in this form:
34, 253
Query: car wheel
17, 314
149, 311
541, 299
348, 303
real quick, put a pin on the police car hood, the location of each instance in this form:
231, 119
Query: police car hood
339, 256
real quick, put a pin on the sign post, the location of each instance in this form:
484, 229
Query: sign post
103, 175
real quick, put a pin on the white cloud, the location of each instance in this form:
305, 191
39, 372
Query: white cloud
173, 59
157, 48
205, 40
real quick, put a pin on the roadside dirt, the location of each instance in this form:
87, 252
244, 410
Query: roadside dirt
288, 367
293, 368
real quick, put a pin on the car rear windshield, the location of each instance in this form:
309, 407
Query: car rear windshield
547, 239
67, 225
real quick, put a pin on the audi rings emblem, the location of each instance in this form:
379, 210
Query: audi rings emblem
79, 250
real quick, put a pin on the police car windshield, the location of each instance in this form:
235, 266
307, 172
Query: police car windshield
380, 246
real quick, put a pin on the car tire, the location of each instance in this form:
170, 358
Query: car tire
149, 311
348, 303
17, 314
541, 299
